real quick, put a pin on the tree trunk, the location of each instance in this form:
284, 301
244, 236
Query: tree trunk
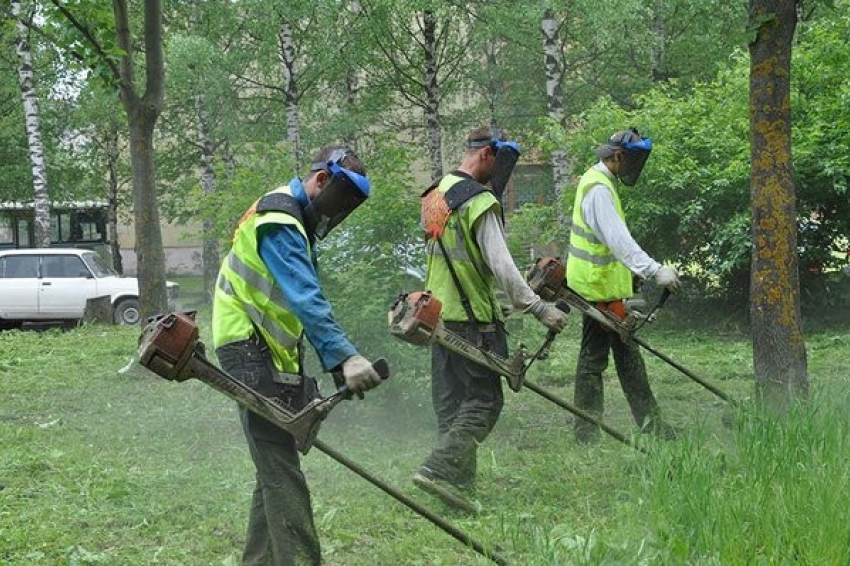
494, 89
32, 124
208, 187
290, 92
112, 199
659, 40
352, 84
432, 95
149, 251
779, 353
553, 60
142, 113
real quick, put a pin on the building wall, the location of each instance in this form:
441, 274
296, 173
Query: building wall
182, 245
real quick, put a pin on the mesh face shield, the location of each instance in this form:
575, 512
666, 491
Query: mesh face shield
507, 154
345, 191
636, 150
635, 156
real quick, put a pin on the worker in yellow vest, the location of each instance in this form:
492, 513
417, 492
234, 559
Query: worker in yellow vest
267, 299
602, 259
466, 261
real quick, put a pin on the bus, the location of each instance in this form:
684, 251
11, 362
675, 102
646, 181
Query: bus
78, 224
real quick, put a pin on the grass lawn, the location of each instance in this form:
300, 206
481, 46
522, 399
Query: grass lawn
104, 467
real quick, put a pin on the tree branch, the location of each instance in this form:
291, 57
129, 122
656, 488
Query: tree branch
90, 38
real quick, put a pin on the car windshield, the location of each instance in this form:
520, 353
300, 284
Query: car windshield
98, 266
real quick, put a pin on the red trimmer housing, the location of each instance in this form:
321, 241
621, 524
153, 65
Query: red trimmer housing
413, 317
167, 344
547, 277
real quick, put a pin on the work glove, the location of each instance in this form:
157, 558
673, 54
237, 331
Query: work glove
359, 374
551, 316
669, 279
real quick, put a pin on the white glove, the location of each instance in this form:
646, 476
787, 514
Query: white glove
551, 316
667, 277
359, 374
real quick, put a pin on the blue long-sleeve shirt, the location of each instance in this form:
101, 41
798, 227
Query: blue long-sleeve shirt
286, 253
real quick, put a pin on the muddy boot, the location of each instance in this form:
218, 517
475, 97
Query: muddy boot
660, 429
445, 491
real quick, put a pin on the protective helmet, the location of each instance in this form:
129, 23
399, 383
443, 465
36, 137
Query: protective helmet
636, 151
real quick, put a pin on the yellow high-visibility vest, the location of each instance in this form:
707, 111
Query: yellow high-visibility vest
459, 240
247, 299
592, 270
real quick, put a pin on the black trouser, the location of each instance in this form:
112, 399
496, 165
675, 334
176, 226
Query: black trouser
280, 525
467, 401
596, 341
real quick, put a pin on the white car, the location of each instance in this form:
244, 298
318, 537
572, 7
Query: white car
54, 283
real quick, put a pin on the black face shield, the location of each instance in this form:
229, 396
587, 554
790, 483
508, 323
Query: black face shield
633, 161
507, 153
636, 150
345, 191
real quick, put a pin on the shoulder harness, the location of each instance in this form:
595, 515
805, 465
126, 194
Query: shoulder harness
280, 202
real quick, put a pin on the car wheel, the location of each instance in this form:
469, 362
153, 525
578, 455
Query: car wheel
127, 312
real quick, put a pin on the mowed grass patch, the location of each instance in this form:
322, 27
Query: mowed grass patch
102, 467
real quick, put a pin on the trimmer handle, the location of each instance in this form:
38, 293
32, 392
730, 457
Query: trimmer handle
665, 294
381, 367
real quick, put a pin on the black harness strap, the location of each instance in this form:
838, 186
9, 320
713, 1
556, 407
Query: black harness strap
464, 298
280, 202
288, 204
461, 192
458, 194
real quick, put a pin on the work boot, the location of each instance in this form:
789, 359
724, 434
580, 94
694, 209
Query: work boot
586, 433
445, 491
660, 429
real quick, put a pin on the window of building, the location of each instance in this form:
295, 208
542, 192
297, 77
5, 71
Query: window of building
7, 234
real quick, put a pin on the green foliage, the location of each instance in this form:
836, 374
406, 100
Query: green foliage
692, 203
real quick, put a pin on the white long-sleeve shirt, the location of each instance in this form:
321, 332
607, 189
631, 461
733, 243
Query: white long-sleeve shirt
490, 236
600, 214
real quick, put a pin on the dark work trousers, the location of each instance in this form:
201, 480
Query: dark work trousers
596, 341
280, 525
467, 401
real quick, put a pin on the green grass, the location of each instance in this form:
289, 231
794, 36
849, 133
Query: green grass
102, 467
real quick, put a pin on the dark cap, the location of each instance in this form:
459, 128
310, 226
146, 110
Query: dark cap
617, 141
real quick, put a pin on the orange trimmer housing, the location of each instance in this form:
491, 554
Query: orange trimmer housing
413, 317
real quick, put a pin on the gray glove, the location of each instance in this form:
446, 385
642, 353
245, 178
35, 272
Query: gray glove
359, 374
669, 278
551, 316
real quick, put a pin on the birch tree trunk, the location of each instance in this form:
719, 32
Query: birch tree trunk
432, 95
352, 83
287, 48
32, 125
208, 187
112, 198
657, 51
494, 90
779, 352
553, 60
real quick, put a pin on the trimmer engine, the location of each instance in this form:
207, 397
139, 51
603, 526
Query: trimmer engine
413, 317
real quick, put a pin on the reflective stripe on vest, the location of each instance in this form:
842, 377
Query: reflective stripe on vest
592, 269
247, 300
475, 277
